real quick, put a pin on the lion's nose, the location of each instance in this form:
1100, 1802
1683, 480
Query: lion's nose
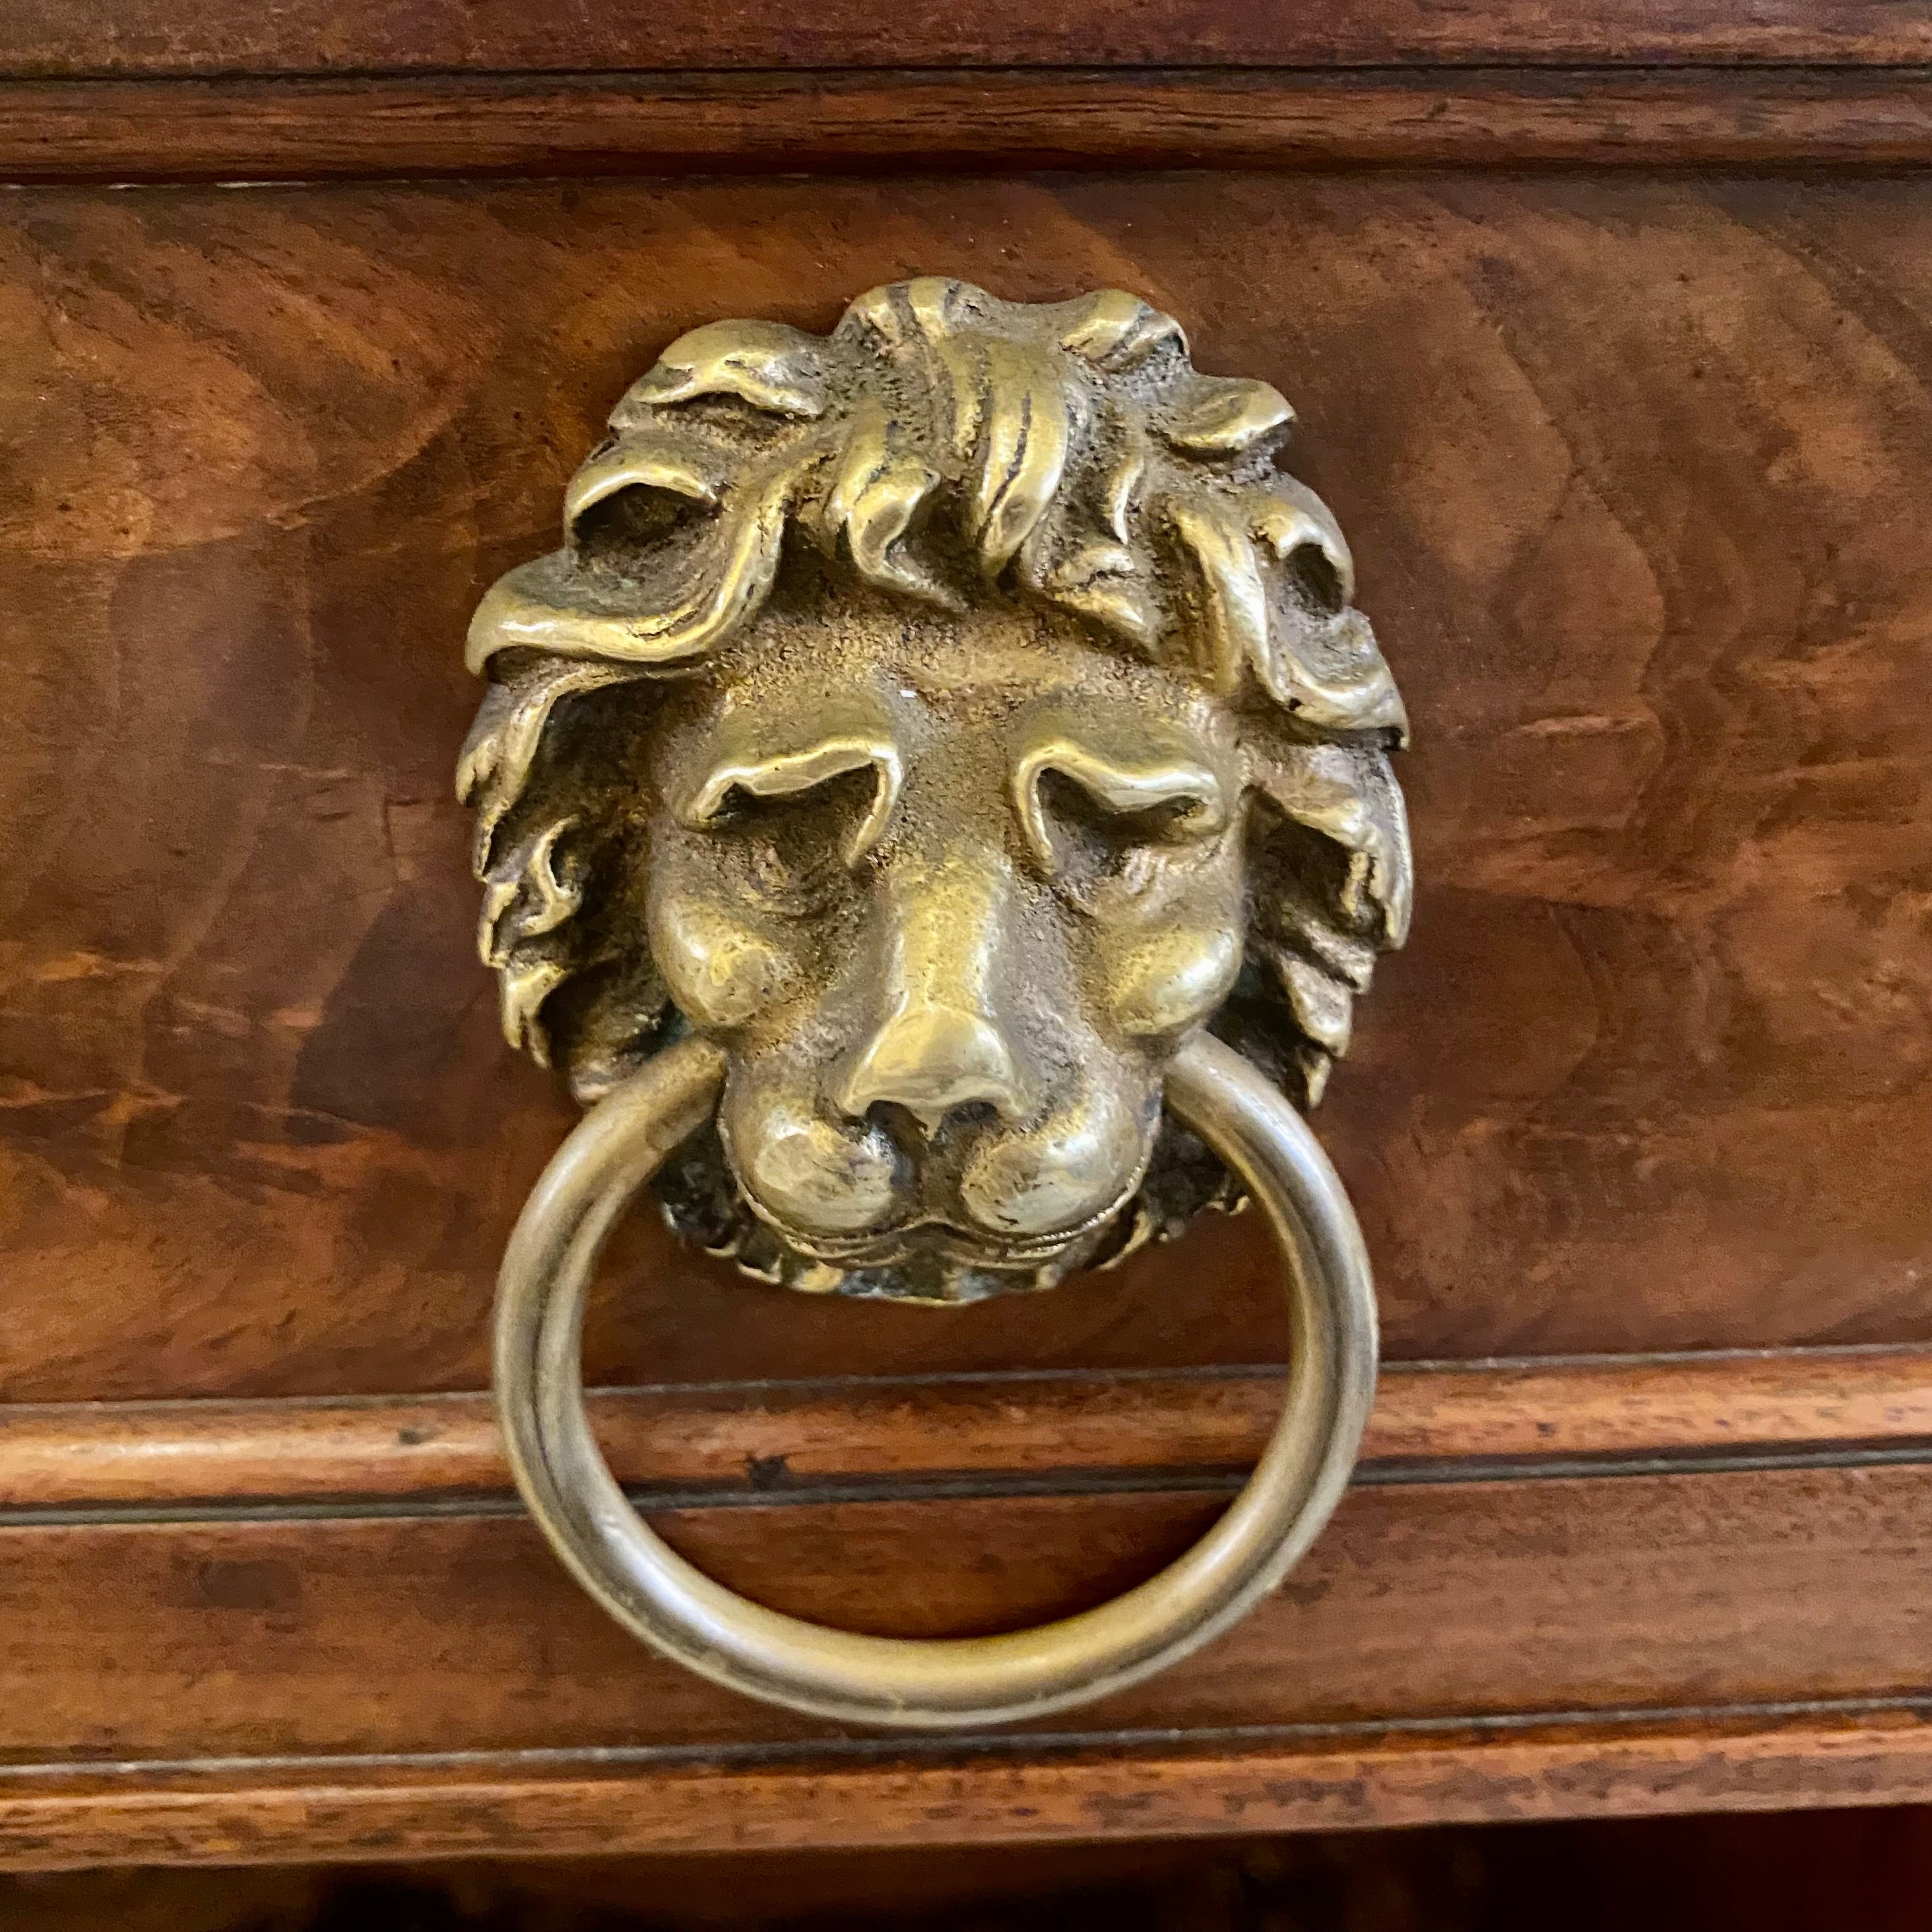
932, 1061
939, 1047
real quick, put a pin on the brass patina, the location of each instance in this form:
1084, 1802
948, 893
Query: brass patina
944, 719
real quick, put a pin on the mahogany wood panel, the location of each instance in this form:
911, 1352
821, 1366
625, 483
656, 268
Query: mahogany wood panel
771, 1438
1424, 1602
246, 1815
54, 37
255, 130
1635, 472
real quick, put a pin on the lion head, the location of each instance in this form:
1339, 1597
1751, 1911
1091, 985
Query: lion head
945, 716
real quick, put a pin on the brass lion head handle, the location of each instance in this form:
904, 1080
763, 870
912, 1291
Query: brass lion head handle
945, 717
935, 745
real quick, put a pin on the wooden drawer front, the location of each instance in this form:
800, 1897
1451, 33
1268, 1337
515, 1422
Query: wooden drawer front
1634, 468
1635, 475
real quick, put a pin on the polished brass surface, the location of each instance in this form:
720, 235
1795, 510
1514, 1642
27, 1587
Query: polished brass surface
929, 739
945, 718
931, 1684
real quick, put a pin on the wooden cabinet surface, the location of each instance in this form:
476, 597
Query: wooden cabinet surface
1610, 337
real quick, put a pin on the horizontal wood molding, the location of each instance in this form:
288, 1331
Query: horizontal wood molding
50, 37
1346, 1777
255, 129
770, 1440
1710, 1595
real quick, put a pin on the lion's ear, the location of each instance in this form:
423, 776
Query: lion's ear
576, 989
501, 750
1330, 885
1347, 794
607, 1021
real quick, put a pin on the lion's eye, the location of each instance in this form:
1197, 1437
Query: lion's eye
793, 849
1097, 846
791, 826
1118, 819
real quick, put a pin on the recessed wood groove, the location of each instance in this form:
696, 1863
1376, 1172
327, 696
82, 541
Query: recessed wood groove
992, 1486
651, 1500
951, 1747
154, 36
1736, 1758
944, 1438
283, 127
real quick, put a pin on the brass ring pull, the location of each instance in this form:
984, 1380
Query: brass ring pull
925, 1683
937, 808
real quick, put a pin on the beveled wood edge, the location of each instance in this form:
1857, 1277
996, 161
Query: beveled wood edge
262, 129
773, 1441
582, 1805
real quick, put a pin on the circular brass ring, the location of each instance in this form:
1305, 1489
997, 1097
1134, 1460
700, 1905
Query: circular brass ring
929, 1684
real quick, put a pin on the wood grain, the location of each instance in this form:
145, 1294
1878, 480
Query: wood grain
1634, 466
1634, 472
234, 1815
217, 130
47, 37
773, 1439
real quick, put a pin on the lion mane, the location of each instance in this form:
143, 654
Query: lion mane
944, 446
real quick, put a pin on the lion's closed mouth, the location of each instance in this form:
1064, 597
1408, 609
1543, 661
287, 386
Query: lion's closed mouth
935, 1236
